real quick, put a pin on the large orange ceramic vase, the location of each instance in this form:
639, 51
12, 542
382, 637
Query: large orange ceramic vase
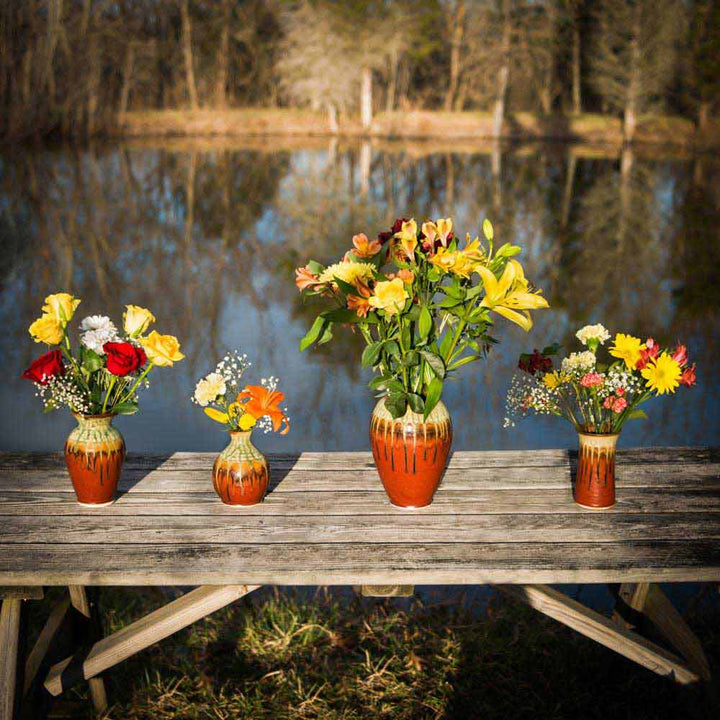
410, 453
94, 454
241, 472
595, 480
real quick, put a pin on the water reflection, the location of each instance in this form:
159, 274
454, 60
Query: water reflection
207, 236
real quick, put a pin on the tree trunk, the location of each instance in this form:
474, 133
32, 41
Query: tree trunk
631, 103
366, 98
703, 115
332, 117
503, 73
127, 79
188, 54
223, 57
392, 81
456, 20
576, 69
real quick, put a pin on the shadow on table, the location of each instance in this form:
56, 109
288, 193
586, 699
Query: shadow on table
136, 468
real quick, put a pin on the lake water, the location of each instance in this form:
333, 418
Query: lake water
207, 235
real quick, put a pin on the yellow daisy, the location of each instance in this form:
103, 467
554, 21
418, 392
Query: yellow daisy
662, 375
627, 348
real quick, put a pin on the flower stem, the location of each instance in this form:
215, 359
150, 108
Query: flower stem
107, 394
137, 382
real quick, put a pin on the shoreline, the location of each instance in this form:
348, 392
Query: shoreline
416, 126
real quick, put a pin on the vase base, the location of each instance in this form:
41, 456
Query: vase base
411, 507
594, 507
95, 505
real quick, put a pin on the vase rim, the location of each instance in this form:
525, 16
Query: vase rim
99, 416
240, 432
592, 434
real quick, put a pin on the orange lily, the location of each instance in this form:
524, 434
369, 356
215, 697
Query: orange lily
259, 402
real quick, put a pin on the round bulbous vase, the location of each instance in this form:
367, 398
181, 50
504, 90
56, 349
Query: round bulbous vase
94, 455
241, 473
410, 453
595, 478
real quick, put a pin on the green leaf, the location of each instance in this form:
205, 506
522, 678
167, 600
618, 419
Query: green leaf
449, 302
395, 386
396, 404
416, 402
92, 361
315, 267
409, 358
551, 349
347, 288
371, 354
379, 382
313, 333
126, 408
432, 397
340, 315
637, 414
326, 336
425, 322
392, 348
435, 362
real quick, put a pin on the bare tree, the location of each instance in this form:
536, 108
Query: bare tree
188, 54
634, 55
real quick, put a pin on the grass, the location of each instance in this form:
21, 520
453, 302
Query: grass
339, 657
407, 125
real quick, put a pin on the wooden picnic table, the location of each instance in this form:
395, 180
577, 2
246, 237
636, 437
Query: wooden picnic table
505, 518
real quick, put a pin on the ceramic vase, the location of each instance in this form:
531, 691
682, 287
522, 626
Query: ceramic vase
241, 473
410, 453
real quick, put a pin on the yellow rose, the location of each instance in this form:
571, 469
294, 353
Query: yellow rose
247, 421
162, 350
136, 320
61, 306
47, 329
389, 296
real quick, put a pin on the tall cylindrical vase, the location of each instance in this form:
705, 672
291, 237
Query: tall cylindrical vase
410, 453
595, 480
241, 473
94, 454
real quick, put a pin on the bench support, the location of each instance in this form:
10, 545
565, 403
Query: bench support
616, 634
10, 613
137, 636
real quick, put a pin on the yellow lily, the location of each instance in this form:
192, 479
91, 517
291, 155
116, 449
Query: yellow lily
509, 296
444, 227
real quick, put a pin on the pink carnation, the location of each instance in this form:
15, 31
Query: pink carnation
619, 405
609, 400
592, 379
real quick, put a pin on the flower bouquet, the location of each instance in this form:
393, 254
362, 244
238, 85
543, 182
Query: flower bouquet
97, 380
241, 473
423, 302
598, 397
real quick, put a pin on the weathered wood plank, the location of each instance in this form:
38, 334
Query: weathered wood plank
672, 625
331, 461
408, 528
362, 564
21, 593
135, 480
558, 606
45, 639
146, 631
9, 645
80, 601
447, 501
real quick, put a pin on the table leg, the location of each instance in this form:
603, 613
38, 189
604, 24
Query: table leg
10, 615
79, 600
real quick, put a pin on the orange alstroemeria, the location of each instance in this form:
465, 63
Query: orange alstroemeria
407, 239
259, 402
360, 303
365, 248
304, 278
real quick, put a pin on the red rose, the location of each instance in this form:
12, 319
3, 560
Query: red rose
45, 367
124, 358
535, 363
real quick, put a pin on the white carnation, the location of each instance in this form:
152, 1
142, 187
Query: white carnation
209, 389
593, 332
96, 331
580, 363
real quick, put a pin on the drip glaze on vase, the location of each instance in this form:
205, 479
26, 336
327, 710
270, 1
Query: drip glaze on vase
94, 454
595, 480
241, 473
410, 453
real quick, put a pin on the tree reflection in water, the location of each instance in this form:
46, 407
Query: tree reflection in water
207, 235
